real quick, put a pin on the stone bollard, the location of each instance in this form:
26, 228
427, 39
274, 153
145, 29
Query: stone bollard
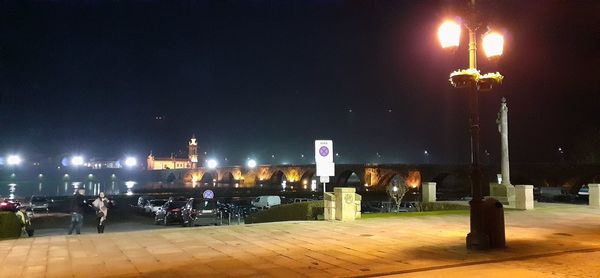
429, 191
594, 191
357, 203
524, 197
329, 203
345, 206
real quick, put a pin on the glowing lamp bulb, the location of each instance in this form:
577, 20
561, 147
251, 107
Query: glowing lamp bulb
13, 160
130, 162
493, 44
212, 164
251, 163
77, 160
449, 34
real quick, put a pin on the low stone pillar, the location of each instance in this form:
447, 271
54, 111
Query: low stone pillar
504, 193
594, 191
329, 204
524, 197
428, 192
357, 203
345, 208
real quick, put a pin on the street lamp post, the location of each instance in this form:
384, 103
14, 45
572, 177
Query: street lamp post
471, 80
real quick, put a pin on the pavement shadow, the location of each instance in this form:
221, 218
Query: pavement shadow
444, 256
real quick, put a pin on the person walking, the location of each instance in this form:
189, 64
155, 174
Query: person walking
77, 205
101, 205
25, 221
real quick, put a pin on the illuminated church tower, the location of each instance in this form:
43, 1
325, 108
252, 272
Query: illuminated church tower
193, 152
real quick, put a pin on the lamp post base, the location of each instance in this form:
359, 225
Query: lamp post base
477, 239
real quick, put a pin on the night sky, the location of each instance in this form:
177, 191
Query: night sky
255, 78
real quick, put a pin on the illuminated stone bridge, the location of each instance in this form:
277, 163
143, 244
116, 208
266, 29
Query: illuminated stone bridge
362, 176
449, 177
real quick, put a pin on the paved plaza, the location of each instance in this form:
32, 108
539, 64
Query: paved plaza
551, 241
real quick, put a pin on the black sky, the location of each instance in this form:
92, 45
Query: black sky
255, 78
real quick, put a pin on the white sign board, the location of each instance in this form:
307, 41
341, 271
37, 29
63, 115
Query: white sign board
324, 158
326, 169
323, 151
324, 179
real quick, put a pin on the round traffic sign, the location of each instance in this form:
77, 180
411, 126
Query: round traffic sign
324, 151
208, 194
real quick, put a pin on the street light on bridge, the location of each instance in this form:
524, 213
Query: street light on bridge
212, 163
470, 79
251, 163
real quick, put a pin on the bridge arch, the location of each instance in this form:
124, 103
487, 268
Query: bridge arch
306, 178
250, 178
227, 178
452, 185
349, 178
387, 178
207, 177
277, 178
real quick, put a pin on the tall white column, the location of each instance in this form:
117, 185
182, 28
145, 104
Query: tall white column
503, 129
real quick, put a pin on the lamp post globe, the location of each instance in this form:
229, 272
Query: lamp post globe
493, 44
449, 34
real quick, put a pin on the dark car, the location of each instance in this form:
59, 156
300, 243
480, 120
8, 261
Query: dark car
244, 208
40, 203
200, 212
9, 205
169, 213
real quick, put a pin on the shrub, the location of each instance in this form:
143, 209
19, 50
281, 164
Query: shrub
437, 206
288, 212
9, 225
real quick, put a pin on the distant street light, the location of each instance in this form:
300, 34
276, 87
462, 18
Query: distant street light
212, 164
14, 160
130, 162
77, 160
251, 163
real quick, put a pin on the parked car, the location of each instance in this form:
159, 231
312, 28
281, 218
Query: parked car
376, 206
152, 206
263, 202
142, 201
244, 208
200, 212
551, 194
9, 205
584, 191
300, 200
169, 213
40, 203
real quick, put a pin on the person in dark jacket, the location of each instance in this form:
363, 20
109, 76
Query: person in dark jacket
77, 206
